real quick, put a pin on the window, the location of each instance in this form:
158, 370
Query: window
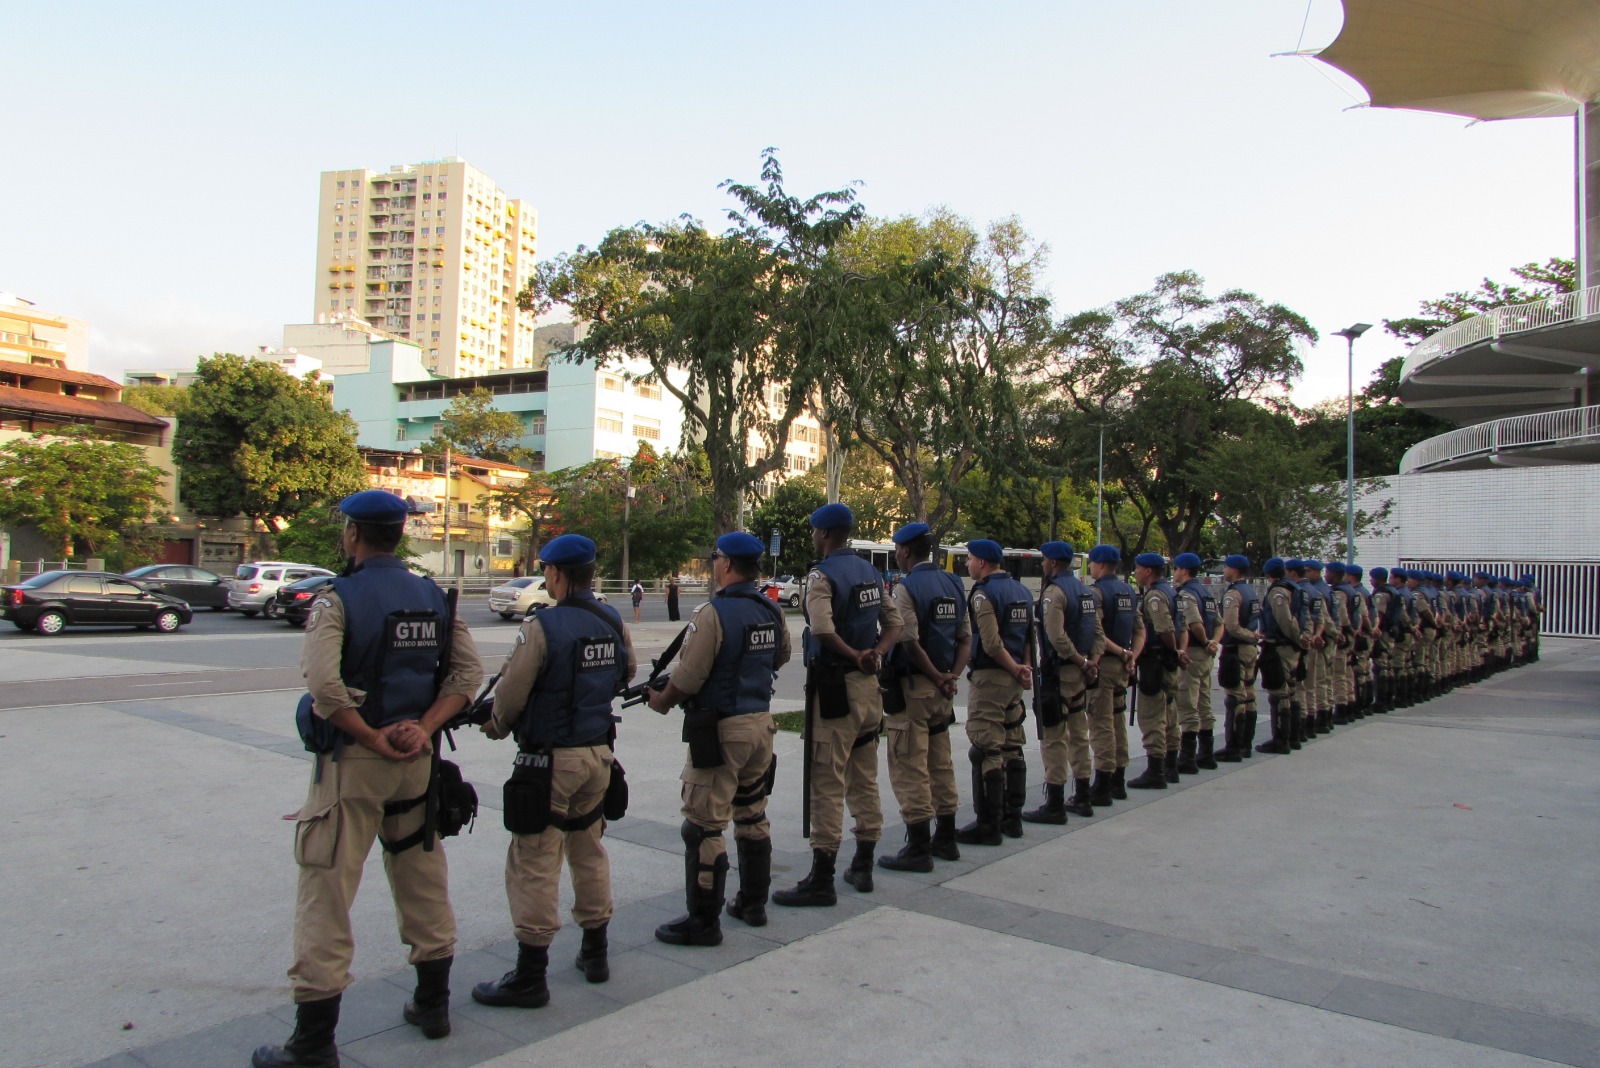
341, 185
84, 584
536, 423
648, 390
611, 382
462, 509
607, 421
400, 432
649, 429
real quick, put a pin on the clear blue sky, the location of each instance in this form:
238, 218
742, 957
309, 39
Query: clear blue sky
161, 158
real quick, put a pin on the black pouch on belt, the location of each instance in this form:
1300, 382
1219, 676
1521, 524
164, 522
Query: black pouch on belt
1047, 699
833, 697
527, 793
1228, 674
700, 731
616, 803
1152, 677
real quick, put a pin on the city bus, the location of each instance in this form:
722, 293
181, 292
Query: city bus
1025, 565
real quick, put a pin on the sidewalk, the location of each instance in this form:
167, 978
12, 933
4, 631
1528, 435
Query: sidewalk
1418, 888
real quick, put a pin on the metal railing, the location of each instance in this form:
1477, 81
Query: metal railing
1562, 308
1568, 426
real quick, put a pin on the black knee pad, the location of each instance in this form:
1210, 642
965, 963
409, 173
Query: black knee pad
693, 834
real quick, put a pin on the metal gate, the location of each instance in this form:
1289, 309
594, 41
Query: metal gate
1571, 592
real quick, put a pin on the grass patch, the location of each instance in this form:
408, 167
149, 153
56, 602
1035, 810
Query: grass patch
793, 722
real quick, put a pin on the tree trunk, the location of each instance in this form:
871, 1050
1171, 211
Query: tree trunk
833, 463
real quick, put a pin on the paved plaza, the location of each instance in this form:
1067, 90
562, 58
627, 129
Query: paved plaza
1419, 888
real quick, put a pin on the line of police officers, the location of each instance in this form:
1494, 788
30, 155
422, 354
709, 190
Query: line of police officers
1327, 651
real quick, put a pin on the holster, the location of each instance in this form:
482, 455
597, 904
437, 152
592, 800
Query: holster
615, 805
700, 731
893, 692
1047, 699
1229, 675
1273, 675
833, 697
527, 793
1152, 675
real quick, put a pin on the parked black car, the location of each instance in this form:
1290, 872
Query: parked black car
53, 600
292, 601
201, 588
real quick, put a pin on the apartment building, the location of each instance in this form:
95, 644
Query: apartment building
30, 335
433, 253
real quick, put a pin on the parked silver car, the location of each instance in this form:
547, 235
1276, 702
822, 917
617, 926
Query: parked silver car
519, 596
252, 586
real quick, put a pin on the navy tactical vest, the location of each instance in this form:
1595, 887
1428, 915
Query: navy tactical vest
1339, 597
586, 663
1297, 608
857, 600
1249, 611
1208, 604
1116, 609
1013, 611
1077, 615
394, 633
740, 681
1163, 587
1408, 605
937, 596
1366, 598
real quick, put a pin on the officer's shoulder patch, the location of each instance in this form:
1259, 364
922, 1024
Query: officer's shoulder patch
691, 626
522, 636
311, 620
815, 573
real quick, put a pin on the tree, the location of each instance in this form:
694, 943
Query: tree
1168, 373
753, 315
943, 323
157, 400
788, 511
1543, 280
668, 521
255, 440
313, 537
474, 426
875, 494
82, 492
533, 498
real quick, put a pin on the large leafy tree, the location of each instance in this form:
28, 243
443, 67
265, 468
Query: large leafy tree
668, 521
82, 492
474, 426
533, 499
254, 440
1535, 281
1169, 373
754, 315
788, 511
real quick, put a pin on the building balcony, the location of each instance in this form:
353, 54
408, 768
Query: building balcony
1511, 361
1569, 436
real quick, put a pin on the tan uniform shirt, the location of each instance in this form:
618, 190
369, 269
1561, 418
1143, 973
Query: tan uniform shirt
1232, 602
702, 644
1157, 614
522, 670
1054, 609
819, 607
324, 648
1280, 604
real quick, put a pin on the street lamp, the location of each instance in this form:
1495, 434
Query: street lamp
1350, 333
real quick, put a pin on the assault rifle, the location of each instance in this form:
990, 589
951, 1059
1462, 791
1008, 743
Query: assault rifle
659, 676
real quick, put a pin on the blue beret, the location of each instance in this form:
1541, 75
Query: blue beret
1238, 561
374, 506
1528, 578
1480, 575
909, 531
738, 543
1397, 572
1155, 560
1335, 567
986, 549
1353, 569
1105, 554
1058, 550
1311, 565
1188, 561
830, 516
1380, 574
569, 550
1294, 563
1274, 566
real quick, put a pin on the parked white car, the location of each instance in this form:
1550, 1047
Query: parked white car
788, 590
252, 586
520, 596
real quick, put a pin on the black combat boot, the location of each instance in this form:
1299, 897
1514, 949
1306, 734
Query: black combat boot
1341, 715
1308, 724
1170, 766
1207, 757
1054, 809
1119, 784
915, 855
1294, 723
1231, 752
943, 844
592, 959
429, 1007
1155, 774
1016, 795
755, 880
816, 889
1186, 763
1279, 717
523, 986
1247, 732
702, 924
1079, 804
988, 804
859, 873
1100, 792
311, 1044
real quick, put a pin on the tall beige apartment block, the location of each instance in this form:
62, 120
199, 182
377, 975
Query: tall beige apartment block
433, 253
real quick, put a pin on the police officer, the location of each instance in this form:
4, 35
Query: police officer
1201, 640
1409, 633
1123, 627
935, 641
1341, 677
1535, 615
1362, 648
1070, 647
1001, 671
734, 646
555, 695
1283, 641
850, 627
373, 644
1428, 620
1236, 662
1326, 652
1159, 662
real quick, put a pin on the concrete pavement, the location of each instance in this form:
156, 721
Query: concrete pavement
1418, 888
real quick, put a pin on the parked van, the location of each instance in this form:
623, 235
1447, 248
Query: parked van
253, 584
